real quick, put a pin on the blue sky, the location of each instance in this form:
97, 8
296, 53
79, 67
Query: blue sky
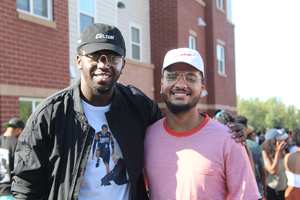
267, 49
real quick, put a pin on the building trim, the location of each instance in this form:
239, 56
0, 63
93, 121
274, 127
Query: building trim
193, 33
220, 9
201, 2
24, 91
36, 20
133, 62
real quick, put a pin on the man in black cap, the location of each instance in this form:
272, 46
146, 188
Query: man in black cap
53, 155
8, 142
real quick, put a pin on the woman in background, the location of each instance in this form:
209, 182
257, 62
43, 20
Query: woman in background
273, 154
292, 167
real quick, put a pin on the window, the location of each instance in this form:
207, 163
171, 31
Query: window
221, 58
135, 43
192, 42
86, 13
220, 4
229, 10
27, 106
40, 8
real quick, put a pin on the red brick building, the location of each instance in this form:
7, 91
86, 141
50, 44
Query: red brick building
174, 22
34, 60
36, 48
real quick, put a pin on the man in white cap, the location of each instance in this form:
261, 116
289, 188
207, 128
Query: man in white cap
187, 154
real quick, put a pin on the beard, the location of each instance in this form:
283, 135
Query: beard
181, 108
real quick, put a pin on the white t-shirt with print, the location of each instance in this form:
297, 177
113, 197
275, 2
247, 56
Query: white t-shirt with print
105, 175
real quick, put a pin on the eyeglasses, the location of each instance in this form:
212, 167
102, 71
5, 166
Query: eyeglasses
111, 59
189, 77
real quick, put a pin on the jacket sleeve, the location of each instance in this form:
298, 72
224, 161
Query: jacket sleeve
155, 114
30, 175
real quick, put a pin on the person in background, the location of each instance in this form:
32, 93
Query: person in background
262, 136
259, 167
54, 152
292, 167
273, 150
8, 142
243, 120
187, 154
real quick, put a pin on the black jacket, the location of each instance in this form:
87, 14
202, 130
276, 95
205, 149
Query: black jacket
52, 151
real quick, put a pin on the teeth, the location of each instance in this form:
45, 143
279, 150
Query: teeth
180, 94
102, 76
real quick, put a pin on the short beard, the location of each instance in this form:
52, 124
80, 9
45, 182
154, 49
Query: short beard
181, 109
99, 91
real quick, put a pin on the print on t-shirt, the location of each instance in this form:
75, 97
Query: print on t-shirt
4, 166
101, 149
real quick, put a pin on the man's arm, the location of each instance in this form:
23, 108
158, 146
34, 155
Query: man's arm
263, 176
239, 175
29, 180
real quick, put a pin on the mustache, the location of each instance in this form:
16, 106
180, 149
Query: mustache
180, 90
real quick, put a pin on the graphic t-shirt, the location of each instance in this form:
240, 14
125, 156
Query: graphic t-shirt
7, 149
105, 175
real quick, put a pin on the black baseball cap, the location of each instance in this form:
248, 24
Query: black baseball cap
15, 122
101, 36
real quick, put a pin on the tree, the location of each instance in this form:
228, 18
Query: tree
269, 114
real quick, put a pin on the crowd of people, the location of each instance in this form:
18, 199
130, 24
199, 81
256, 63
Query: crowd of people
100, 139
276, 158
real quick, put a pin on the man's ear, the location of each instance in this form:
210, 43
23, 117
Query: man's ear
79, 65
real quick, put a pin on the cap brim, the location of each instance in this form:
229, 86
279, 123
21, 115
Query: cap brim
93, 47
282, 137
9, 125
179, 61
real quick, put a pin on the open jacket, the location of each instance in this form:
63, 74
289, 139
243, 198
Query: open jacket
53, 149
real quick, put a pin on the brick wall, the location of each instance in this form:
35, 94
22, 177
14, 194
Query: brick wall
164, 36
32, 55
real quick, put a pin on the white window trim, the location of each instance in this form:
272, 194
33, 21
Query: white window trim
49, 10
137, 26
193, 39
223, 59
78, 16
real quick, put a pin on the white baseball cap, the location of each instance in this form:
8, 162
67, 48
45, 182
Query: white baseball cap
185, 55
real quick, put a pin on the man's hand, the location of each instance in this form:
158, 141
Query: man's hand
241, 132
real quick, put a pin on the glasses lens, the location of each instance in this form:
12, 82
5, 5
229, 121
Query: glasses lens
189, 78
172, 77
113, 59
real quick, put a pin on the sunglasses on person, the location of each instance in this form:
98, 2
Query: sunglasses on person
110, 59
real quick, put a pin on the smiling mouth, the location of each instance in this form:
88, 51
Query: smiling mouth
180, 94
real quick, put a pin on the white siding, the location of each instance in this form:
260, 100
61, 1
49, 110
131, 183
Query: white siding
135, 11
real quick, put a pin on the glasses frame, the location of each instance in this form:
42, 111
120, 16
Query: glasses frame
89, 55
184, 75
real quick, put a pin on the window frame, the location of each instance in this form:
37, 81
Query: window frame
87, 14
139, 27
49, 10
221, 59
192, 42
33, 104
220, 4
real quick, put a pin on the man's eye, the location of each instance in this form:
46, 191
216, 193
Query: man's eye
172, 77
191, 79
